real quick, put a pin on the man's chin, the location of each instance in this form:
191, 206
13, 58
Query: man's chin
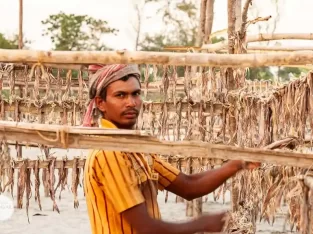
129, 123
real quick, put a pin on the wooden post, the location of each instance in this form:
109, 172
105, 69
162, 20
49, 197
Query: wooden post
20, 35
20, 46
201, 26
189, 204
197, 203
230, 85
238, 15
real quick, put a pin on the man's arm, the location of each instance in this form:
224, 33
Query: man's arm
197, 185
139, 218
119, 184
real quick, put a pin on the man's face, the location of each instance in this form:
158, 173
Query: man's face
122, 104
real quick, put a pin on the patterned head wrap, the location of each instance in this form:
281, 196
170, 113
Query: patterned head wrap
102, 77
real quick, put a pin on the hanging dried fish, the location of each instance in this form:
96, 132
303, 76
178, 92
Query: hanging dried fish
28, 190
22, 183
61, 176
51, 183
75, 181
37, 183
64, 178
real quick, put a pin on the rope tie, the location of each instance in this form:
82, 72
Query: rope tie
62, 136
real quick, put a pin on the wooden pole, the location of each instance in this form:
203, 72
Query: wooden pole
279, 48
201, 26
20, 46
260, 37
66, 137
231, 85
209, 16
20, 35
142, 57
238, 15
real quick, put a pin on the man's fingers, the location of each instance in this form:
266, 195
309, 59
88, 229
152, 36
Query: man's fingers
252, 165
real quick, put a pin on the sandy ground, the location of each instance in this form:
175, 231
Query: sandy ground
71, 220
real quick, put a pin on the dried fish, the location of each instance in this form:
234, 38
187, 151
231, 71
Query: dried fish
22, 183
61, 176
28, 190
11, 178
75, 181
37, 184
51, 183
64, 179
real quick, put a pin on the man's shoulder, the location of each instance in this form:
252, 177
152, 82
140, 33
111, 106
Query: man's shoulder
105, 156
102, 153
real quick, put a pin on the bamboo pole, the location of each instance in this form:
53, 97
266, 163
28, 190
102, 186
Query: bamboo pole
157, 107
44, 164
142, 57
238, 22
260, 37
209, 16
278, 48
57, 136
201, 26
20, 35
20, 46
231, 84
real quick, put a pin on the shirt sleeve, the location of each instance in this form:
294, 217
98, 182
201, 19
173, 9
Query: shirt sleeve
119, 180
167, 173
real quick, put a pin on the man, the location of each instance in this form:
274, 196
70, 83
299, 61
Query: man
121, 188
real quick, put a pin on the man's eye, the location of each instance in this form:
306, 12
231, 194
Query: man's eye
120, 95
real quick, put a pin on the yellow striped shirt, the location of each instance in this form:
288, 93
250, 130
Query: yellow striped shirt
116, 181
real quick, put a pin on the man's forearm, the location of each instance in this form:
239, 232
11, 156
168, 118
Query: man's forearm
159, 226
143, 223
206, 182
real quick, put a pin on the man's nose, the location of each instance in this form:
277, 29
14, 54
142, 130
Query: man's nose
131, 101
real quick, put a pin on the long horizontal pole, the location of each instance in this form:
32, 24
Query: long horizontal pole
165, 58
260, 37
132, 141
68, 163
279, 48
156, 107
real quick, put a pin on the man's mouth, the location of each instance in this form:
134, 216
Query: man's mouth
131, 114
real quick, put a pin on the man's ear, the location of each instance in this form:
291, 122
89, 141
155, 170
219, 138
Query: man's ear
100, 103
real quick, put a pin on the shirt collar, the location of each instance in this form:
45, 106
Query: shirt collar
106, 124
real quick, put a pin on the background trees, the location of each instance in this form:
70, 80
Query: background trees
76, 32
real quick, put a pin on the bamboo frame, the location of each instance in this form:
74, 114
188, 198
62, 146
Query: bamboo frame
278, 48
130, 141
68, 163
152, 86
165, 58
260, 37
157, 107
17, 164
65, 137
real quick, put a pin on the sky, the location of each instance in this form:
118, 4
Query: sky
295, 17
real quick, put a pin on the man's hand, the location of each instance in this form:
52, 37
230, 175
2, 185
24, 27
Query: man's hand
214, 222
143, 223
240, 164
251, 165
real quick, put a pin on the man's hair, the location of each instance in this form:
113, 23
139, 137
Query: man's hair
103, 93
